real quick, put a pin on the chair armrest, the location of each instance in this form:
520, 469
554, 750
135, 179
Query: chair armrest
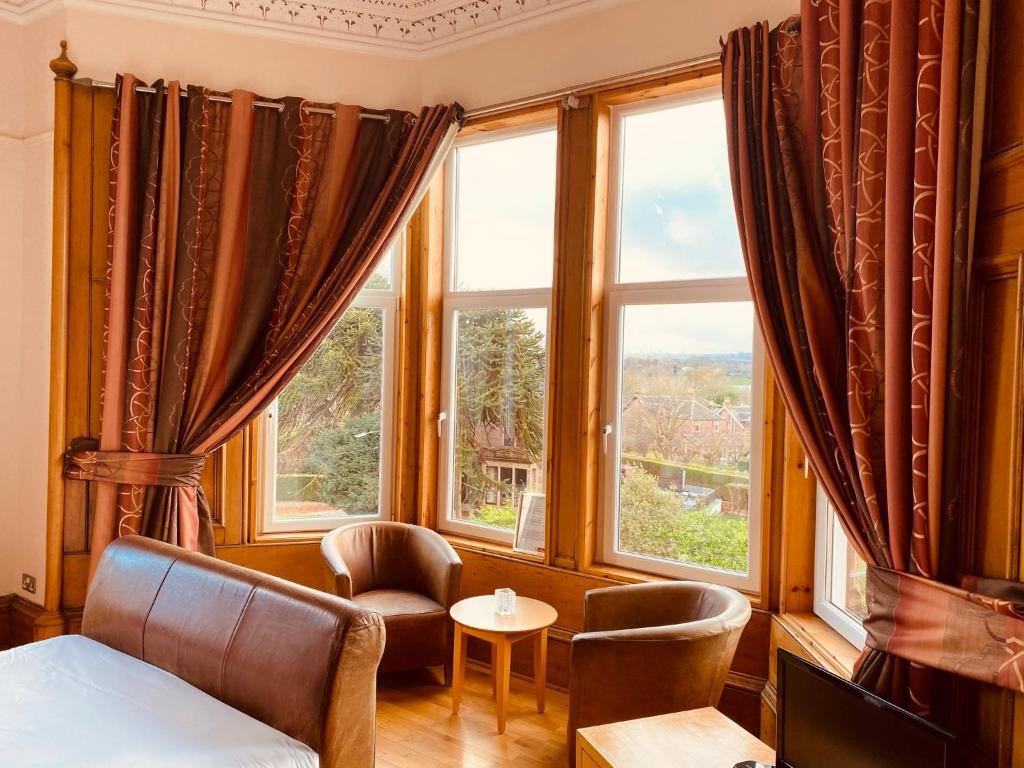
337, 576
437, 566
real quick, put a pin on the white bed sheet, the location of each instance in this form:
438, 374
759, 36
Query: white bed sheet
71, 701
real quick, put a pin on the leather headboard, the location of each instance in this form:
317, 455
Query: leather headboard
297, 659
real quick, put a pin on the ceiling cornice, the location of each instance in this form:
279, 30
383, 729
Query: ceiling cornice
406, 28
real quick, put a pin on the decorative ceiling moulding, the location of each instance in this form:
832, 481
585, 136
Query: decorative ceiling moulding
404, 28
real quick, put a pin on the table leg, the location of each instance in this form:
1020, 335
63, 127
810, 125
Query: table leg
494, 669
540, 666
504, 654
459, 668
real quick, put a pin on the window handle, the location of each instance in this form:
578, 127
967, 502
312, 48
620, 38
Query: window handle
605, 433
441, 418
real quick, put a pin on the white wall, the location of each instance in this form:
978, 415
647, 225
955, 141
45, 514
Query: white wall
607, 42
26, 155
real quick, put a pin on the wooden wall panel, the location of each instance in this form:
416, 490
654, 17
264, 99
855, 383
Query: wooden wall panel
988, 720
1005, 127
91, 111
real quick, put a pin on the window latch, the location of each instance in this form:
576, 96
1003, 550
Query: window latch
605, 433
441, 418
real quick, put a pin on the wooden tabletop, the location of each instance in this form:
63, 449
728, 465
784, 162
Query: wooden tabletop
478, 613
699, 738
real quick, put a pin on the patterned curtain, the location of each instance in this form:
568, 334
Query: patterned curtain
854, 167
238, 235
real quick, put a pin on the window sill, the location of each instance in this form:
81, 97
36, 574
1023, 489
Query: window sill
289, 537
825, 645
489, 547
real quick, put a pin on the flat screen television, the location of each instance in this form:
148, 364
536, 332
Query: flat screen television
826, 721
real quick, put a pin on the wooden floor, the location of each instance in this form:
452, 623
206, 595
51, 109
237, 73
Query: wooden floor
416, 728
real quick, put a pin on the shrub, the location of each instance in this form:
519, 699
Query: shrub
653, 522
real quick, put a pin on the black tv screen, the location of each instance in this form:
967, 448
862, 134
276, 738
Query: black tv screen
824, 720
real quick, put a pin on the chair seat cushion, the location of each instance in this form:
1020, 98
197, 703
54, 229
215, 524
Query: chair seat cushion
394, 603
416, 628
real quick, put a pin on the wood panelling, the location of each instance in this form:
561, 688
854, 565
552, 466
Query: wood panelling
427, 238
807, 636
5, 622
23, 622
1005, 125
299, 562
91, 111
577, 308
988, 720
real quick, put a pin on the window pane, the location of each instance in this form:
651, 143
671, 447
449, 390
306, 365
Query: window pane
505, 213
500, 377
380, 279
329, 425
677, 219
849, 574
685, 425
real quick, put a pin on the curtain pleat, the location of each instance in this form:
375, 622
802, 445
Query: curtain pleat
238, 236
852, 193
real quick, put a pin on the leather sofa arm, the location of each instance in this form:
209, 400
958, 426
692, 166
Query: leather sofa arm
437, 565
337, 575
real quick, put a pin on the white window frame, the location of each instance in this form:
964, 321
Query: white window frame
456, 301
386, 300
830, 566
697, 291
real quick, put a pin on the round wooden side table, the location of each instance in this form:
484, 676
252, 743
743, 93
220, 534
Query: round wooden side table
476, 616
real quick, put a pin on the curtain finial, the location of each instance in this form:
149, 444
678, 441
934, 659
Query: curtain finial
63, 67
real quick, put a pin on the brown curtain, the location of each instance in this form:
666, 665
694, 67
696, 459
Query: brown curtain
238, 236
853, 156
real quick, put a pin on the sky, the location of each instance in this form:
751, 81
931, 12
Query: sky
677, 222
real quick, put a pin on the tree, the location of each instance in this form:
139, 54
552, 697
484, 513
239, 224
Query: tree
500, 379
348, 460
341, 378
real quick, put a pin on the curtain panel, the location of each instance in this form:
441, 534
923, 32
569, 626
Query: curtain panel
853, 155
238, 235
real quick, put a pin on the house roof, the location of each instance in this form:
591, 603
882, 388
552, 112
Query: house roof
686, 407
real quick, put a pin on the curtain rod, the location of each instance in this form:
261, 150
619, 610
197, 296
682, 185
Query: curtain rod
266, 104
561, 93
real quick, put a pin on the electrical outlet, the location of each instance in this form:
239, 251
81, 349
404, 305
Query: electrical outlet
28, 583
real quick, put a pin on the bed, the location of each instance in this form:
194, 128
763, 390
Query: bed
186, 660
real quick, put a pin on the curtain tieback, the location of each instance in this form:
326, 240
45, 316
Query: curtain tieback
83, 461
976, 631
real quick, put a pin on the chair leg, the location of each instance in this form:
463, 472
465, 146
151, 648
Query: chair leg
448, 674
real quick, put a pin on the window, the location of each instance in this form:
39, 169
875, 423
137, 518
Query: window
326, 441
840, 576
683, 382
498, 273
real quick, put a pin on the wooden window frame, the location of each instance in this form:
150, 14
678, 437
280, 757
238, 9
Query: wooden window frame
454, 301
621, 294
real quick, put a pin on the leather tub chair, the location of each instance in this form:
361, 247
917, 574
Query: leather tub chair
651, 649
407, 573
